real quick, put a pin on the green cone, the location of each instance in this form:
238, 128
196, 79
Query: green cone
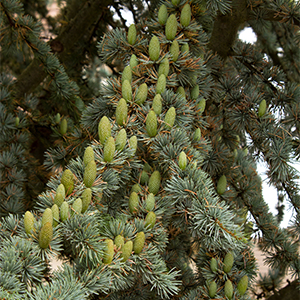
151, 123
104, 129
90, 173
86, 198
171, 27
154, 182
29, 222
121, 139
109, 149
109, 251
45, 235
139, 242
131, 36
157, 104
88, 155
162, 15
67, 179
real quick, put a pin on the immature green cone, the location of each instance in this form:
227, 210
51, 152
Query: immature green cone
63, 126
182, 160
57, 118
194, 79
150, 219
133, 143
221, 185
104, 129
61, 189
171, 27
213, 265
109, 149
28, 222
162, 15
195, 92
238, 139
126, 250
60, 195
175, 2
79, 103
109, 251
154, 48
235, 153
121, 139
126, 90
228, 262
127, 74
64, 211
121, 112
157, 104
185, 48
201, 105
133, 202
141, 94
55, 214
77, 206
147, 167
136, 188
17, 121
154, 182
90, 173
67, 179
243, 285
161, 84
212, 290
45, 235
131, 36
88, 155
197, 134
144, 178
119, 241
139, 242
164, 67
151, 123
86, 198
228, 289
186, 15
150, 202
47, 216
174, 50
170, 117
181, 91
262, 108
133, 61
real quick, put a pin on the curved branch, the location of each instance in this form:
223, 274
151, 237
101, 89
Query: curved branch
226, 28
290, 291
34, 74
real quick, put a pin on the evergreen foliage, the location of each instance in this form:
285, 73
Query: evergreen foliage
154, 192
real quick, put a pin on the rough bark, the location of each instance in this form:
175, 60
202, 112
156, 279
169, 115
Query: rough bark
290, 291
226, 28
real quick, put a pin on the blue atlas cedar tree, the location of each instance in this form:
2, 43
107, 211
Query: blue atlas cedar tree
155, 205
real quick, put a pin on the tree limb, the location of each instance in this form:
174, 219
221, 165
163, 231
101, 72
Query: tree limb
226, 28
34, 74
290, 291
